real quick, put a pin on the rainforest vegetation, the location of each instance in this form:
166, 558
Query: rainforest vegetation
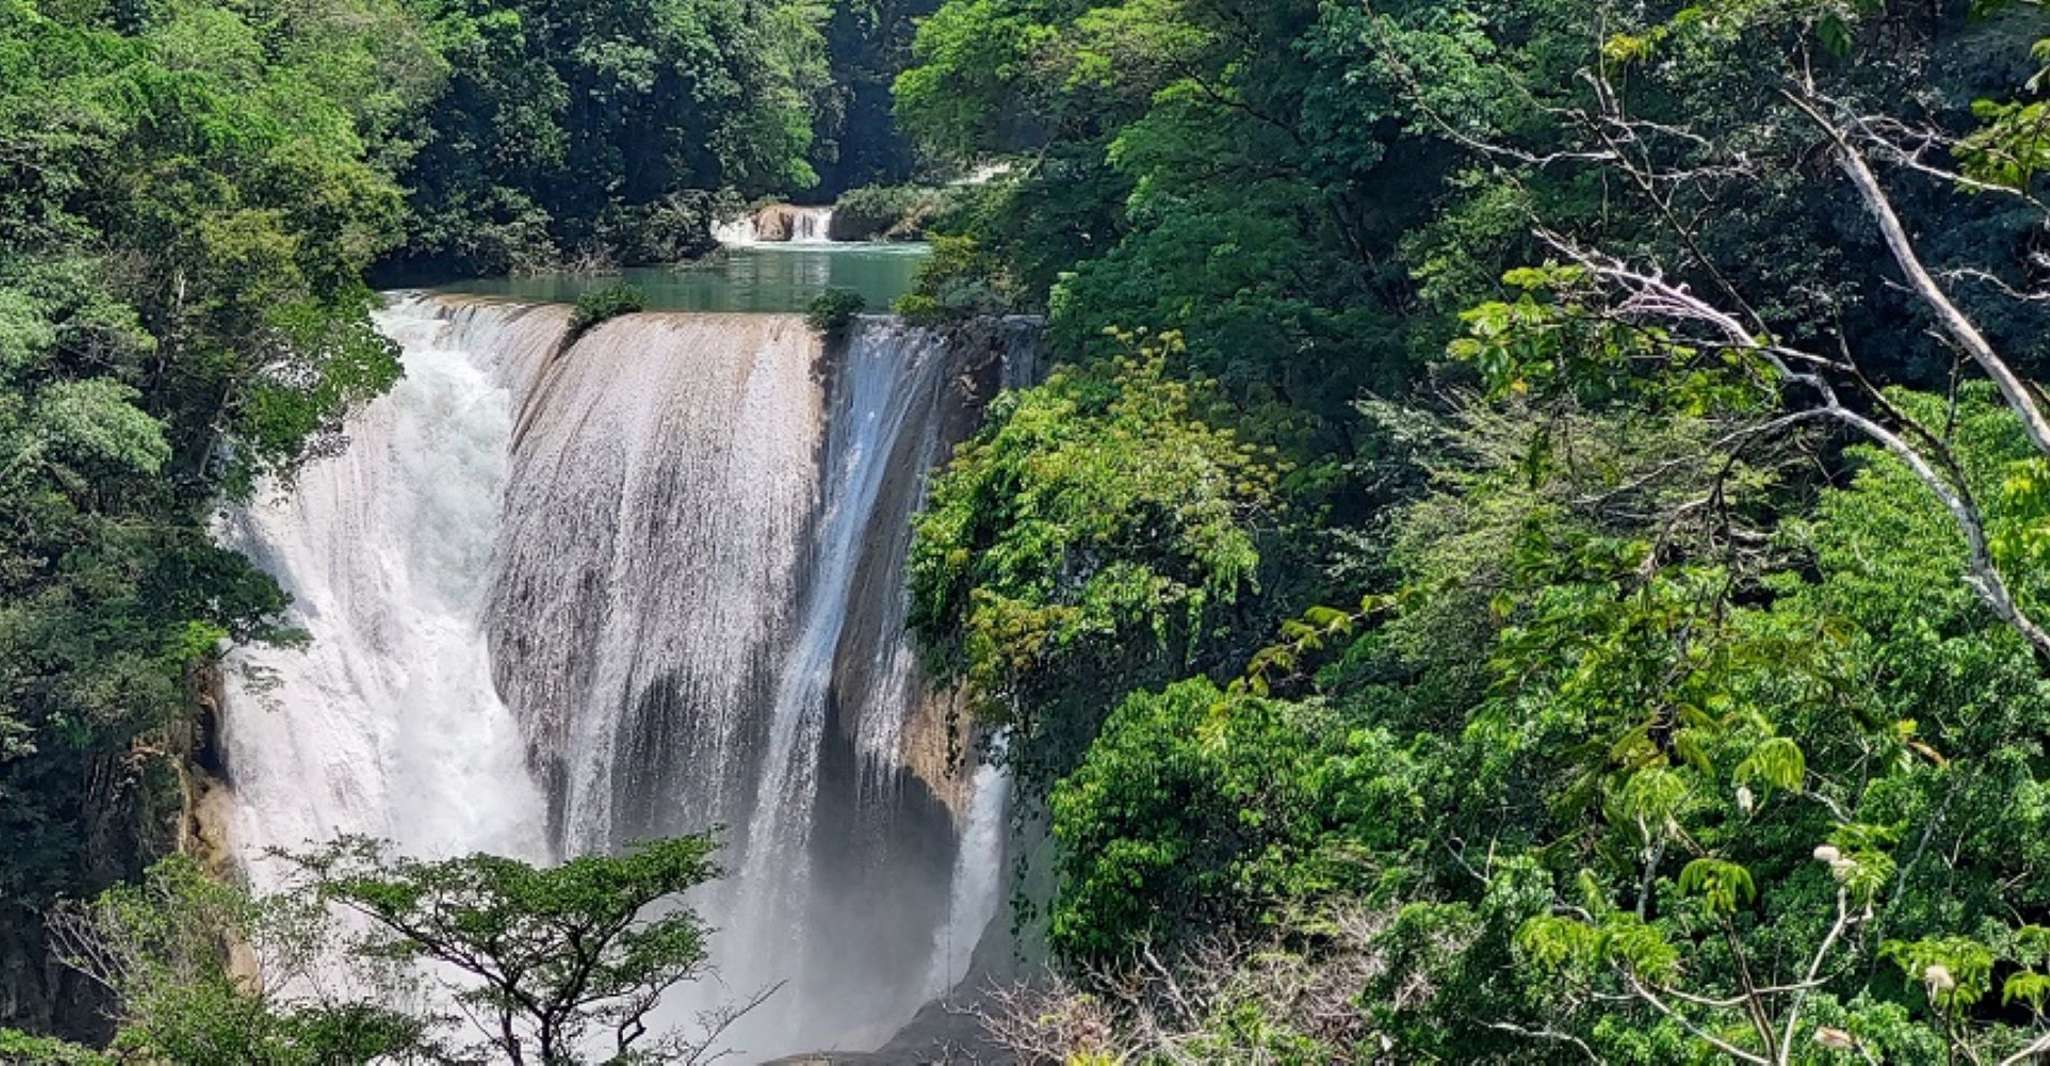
192, 197
1535, 549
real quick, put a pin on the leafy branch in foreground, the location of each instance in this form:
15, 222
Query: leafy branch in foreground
1604, 318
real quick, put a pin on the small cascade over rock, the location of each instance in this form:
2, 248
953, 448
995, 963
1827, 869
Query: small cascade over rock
778, 224
567, 597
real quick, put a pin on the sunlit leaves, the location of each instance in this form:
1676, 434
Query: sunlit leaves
1556, 339
1318, 629
1554, 942
971, 61
1653, 797
96, 419
1722, 885
2010, 148
2026, 986
1777, 762
1954, 972
1097, 509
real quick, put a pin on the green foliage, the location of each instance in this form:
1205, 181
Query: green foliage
969, 59
1673, 760
569, 131
834, 310
1553, 338
187, 213
956, 281
559, 955
1686, 696
1096, 532
1196, 810
548, 954
888, 212
857, 142
44, 1051
601, 305
161, 944
1955, 972
1557, 943
1723, 885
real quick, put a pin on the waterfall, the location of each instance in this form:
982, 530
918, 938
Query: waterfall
387, 724
653, 549
563, 600
977, 884
785, 223
811, 225
885, 392
738, 231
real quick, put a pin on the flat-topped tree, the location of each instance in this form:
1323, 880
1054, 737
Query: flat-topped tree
565, 959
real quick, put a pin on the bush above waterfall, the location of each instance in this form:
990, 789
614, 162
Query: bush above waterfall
959, 279
832, 311
601, 305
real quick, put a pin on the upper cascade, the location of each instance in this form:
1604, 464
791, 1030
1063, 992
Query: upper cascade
564, 599
778, 224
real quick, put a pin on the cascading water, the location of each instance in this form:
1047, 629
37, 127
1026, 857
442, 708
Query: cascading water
563, 600
653, 549
812, 225
387, 724
888, 386
738, 231
787, 224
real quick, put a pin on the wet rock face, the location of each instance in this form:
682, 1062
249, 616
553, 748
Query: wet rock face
776, 223
786, 223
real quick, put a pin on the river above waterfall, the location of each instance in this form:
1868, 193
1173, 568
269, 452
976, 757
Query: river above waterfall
754, 277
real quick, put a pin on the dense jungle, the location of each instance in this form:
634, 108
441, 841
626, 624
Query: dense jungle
1529, 540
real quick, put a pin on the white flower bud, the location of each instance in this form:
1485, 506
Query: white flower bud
1835, 1039
1745, 800
1938, 977
1842, 869
1827, 853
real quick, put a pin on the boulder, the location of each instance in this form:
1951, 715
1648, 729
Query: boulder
776, 222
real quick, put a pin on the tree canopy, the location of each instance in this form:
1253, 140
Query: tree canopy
1635, 657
